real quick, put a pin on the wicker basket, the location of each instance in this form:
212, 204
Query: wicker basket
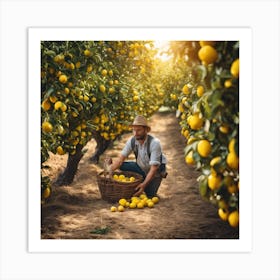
112, 190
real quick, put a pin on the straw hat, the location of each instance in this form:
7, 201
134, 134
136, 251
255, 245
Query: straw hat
140, 120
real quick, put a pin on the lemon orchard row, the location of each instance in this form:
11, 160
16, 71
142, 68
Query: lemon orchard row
208, 105
92, 88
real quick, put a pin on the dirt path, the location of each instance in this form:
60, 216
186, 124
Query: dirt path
77, 210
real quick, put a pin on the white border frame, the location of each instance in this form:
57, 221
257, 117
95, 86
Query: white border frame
35, 35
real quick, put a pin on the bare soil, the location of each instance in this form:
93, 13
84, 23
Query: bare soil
78, 212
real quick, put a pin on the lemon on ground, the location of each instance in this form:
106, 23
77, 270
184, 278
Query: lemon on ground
113, 209
234, 69
232, 160
155, 199
233, 218
142, 196
208, 54
120, 208
132, 205
47, 127
140, 205
204, 148
223, 214
122, 201
214, 181
150, 204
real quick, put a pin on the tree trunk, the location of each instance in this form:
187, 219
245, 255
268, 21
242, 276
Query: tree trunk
101, 146
67, 177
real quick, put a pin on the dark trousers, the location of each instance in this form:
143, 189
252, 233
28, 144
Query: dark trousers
152, 188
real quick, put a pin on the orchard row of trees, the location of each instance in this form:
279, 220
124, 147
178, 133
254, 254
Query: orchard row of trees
94, 90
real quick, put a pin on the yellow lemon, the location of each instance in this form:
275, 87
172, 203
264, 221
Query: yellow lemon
155, 199
189, 158
60, 150
215, 160
195, 121
142, 196
233, 218
87, 53
53, 99
204, 148
113, 209
104, 72
47, 127
150, 204
132, 179
228, 83
223, 214
140, 205
224, 129
120, 208
232, 160
132, 205
185, 89
63, 79
115, 176
234, 69
102, 88
208, 54
214, 182
46, 105
200, 91
122, 201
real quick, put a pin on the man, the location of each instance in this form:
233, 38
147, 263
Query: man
150, 162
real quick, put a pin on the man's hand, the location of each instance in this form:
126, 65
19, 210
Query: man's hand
139, 189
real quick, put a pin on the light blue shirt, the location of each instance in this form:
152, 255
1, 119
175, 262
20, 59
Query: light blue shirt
143, 159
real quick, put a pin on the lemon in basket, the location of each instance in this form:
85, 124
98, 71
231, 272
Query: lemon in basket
132, 179
116, 177
121, 177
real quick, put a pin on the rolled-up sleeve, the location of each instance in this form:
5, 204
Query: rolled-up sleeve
127, 148
155, 152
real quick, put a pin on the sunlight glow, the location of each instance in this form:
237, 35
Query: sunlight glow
162, 47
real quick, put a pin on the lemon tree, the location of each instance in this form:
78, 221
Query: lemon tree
92, 89
208, 107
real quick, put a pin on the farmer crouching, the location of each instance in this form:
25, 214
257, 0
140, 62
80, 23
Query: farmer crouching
150, 161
